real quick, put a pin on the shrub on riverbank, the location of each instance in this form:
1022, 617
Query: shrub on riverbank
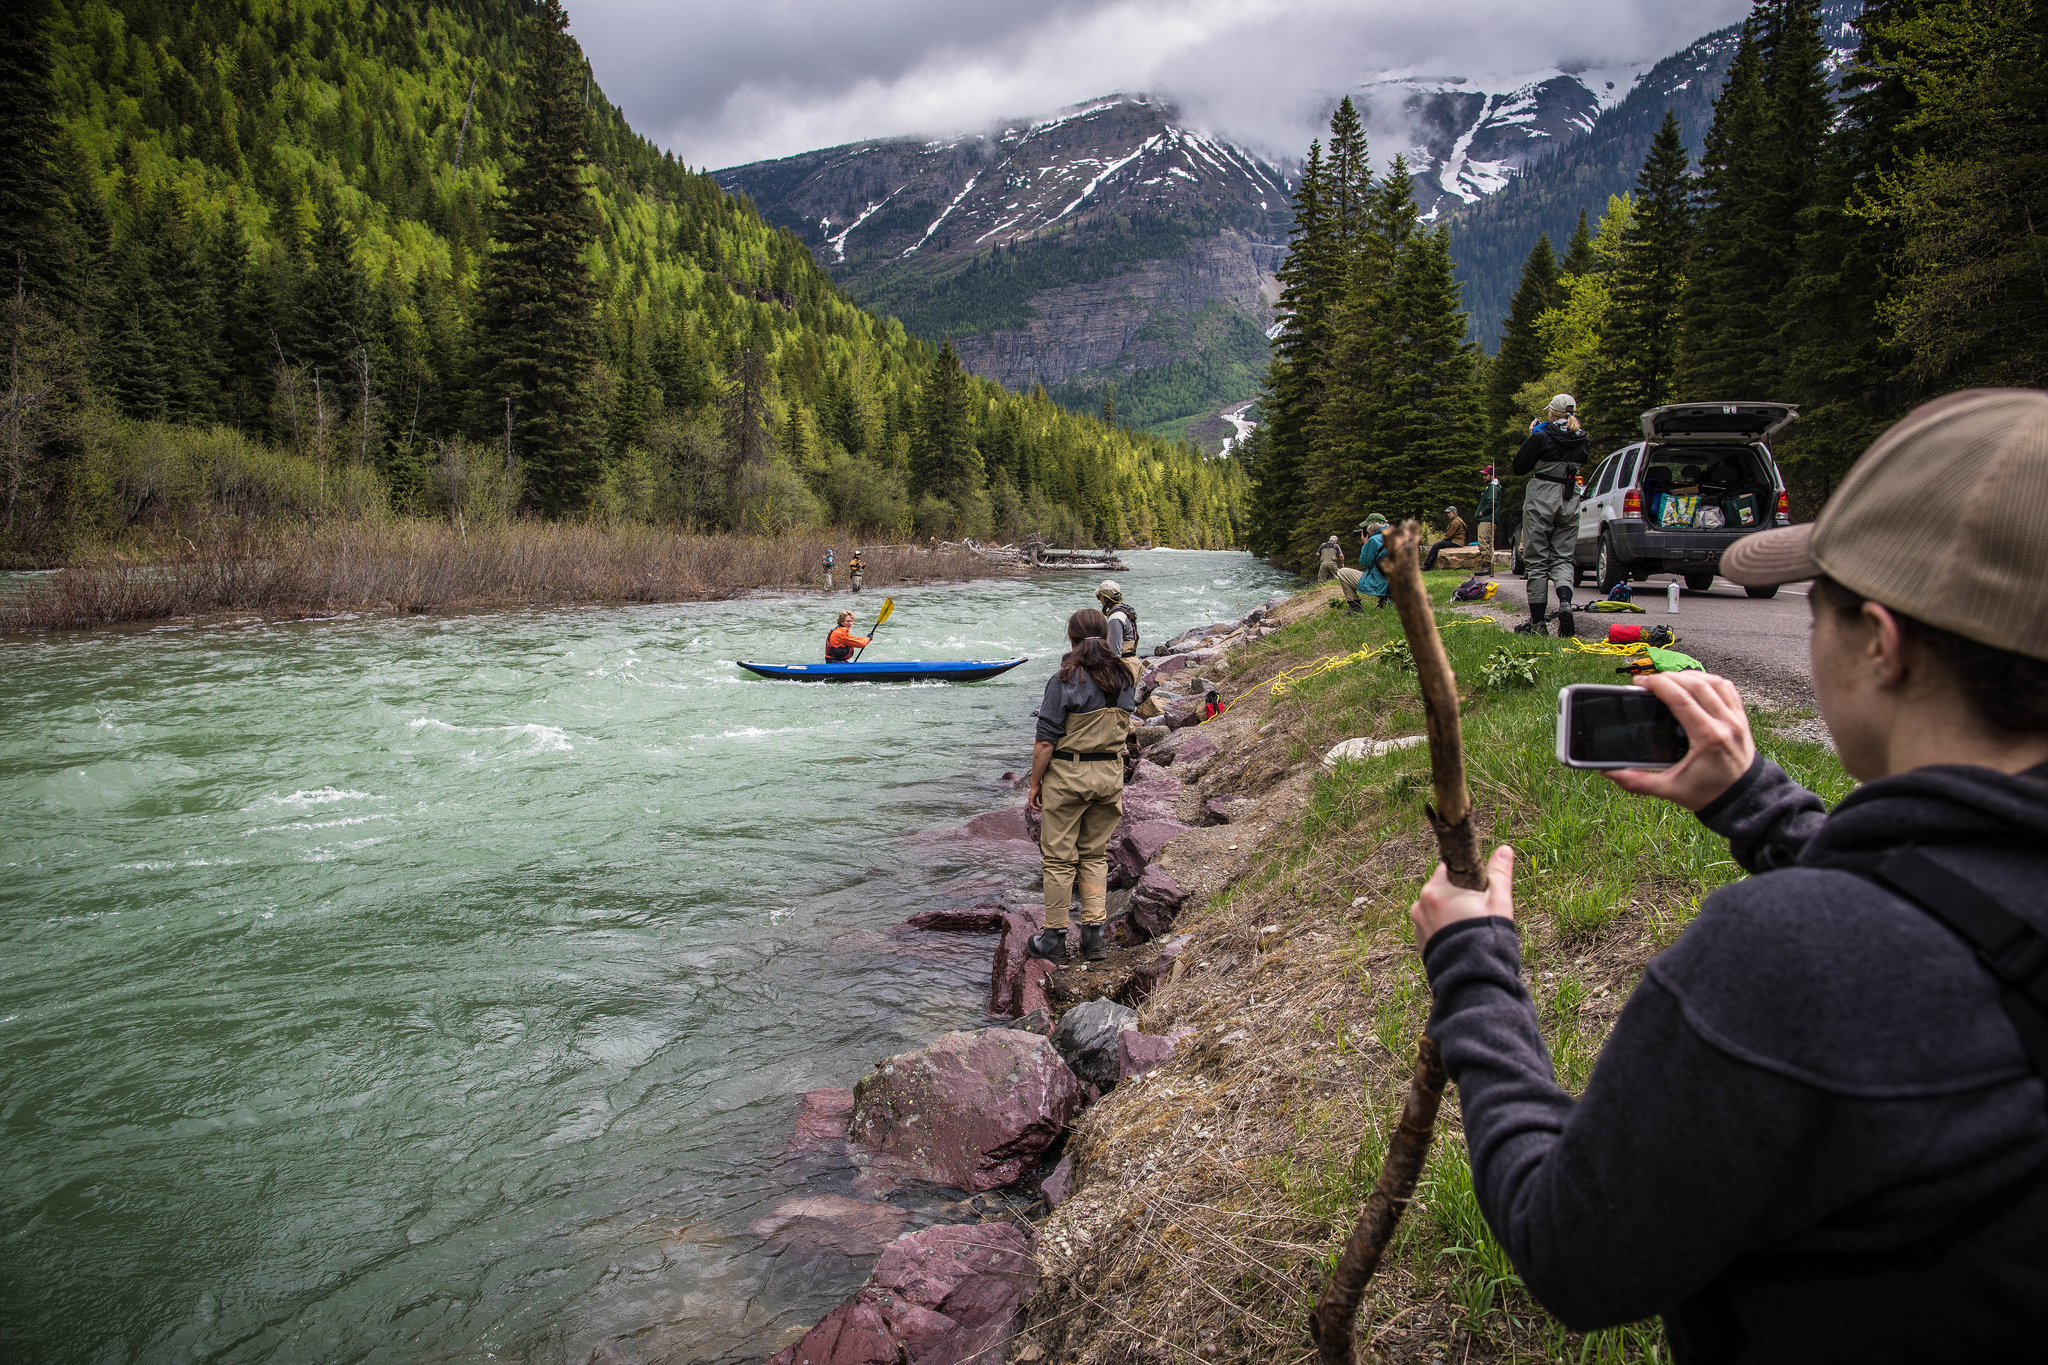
1214, 1194
396, 564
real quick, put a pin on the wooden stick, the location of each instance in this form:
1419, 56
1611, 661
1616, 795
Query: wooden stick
1331, 1325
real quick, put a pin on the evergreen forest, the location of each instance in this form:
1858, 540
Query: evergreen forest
1852, 241
298, 259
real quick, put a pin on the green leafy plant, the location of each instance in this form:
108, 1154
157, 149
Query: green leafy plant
1506, 668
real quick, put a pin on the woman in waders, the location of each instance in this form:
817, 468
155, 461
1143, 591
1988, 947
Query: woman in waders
1077, 782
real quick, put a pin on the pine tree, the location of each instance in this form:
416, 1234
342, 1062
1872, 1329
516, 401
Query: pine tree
1349, 184
1639, 344
328, 308
1427, 452
1311, 280
540, 338
1578, 252
1840, 366
1521, 357
1728, 324
943, 461
32, 199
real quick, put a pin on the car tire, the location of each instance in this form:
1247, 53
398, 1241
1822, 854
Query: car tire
1698, 582
1771, 591
1610, 568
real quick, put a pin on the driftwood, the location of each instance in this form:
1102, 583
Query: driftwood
1331, 1324
1035, 554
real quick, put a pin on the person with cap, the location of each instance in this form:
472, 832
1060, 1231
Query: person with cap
1123, 625
1551, 456
1484, 517
1819, 1129
855, 569
1077, 784
1368, 577
1329, 557
1454, 538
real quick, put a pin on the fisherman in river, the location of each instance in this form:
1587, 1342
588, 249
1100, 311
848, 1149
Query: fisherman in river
854, 568
1077, 783
828, 568
842, 642
1123, 625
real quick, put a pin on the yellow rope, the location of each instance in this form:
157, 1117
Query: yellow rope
1609, 647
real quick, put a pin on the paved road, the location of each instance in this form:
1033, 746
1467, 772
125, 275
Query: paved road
1761, 644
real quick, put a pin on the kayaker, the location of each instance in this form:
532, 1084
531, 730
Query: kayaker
1077, 784
1123, 625
854, 568
842, 642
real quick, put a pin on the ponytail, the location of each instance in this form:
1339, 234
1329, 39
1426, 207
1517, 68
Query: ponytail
1088, 632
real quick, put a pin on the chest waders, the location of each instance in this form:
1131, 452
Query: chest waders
1083, 798
1550, 535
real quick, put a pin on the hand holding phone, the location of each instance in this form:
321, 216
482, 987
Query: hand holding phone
1719, 747
1606, 727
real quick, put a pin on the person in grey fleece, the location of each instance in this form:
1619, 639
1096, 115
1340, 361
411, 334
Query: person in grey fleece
1817, 1131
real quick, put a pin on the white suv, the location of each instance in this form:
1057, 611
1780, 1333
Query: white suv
1701, 478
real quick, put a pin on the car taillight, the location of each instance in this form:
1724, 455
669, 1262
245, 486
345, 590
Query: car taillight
1784, 503
1632, 503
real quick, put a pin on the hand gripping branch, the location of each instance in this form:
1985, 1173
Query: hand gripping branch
1332, 1323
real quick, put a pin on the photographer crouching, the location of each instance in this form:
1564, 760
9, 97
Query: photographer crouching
1819, 1129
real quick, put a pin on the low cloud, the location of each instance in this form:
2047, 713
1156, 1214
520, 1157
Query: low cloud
722, 84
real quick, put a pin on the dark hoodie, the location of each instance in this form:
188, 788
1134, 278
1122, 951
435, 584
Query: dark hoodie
1816, 1067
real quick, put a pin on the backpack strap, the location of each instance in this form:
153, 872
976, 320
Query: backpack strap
2013, 950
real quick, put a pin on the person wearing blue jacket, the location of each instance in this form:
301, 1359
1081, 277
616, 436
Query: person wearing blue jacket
1369, 576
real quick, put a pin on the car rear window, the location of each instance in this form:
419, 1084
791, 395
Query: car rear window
1718, 465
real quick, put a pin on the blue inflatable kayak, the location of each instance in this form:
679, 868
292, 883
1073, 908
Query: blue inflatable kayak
887, 670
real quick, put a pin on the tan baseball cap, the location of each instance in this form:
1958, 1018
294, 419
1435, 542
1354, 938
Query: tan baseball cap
1944, 518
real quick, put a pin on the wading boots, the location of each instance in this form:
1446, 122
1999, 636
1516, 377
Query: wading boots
1050, 944
1093, 947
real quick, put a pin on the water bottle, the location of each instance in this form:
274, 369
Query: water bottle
1671, 599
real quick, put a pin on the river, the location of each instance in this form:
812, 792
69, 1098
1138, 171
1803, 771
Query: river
440, 988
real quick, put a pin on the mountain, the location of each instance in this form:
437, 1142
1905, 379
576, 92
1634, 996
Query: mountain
1104, 244
1491, 236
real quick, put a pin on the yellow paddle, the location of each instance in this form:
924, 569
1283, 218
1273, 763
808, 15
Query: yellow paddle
888, 607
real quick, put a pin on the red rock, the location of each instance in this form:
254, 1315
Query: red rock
1193, 749
1155, 901
982, 919
1138, 1053
852, 1227
821, 1122
1146, 976
1002, 825
943, 1296
1148, 771
970, 1111
1226, 810
1006, 969
1172, 663
1057, 1187
1136, 848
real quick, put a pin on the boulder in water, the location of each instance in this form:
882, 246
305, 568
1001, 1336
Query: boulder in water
1016, 983
832, 1222
1087, 1036
943, 1296
821, 1122
971, 1110
982, 919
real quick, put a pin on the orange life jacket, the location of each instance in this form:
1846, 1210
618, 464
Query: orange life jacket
841, 643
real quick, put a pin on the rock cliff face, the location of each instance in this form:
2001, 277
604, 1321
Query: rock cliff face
1089, 247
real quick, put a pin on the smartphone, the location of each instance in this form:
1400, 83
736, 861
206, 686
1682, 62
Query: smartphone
1601, 726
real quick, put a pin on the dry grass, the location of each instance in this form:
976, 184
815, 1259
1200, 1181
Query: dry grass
1213, 1195
313, 569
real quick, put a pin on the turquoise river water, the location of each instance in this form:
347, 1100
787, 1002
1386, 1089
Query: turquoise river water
383, 990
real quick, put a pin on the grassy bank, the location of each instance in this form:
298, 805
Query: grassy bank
1215, 1193
409, 565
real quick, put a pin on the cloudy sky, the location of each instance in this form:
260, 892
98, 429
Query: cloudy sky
721, 82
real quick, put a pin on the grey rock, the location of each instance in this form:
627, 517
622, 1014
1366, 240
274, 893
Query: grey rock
1086, 1037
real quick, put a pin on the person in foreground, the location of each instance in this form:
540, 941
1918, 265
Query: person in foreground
842, 642
1819, 1129
1077, 782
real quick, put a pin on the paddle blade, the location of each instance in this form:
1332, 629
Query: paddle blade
888, 606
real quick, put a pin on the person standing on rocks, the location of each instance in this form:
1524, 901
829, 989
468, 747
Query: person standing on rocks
1552, 455
1077, 783
1123, 625
1484, 518
1330, 558
1818, 1129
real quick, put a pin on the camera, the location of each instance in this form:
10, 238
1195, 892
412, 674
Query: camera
1602, 726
